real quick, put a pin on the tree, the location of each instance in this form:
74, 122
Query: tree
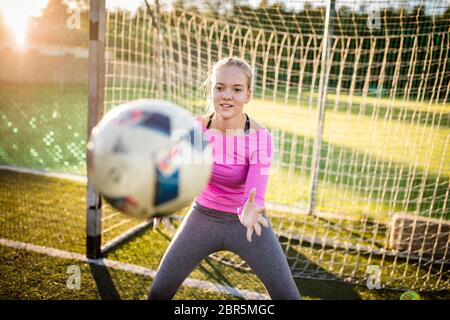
59, 24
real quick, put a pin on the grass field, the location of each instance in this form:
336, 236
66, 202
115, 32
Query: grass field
50, 212
44, 127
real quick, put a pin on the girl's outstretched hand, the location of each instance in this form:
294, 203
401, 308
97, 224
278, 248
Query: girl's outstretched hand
252, 216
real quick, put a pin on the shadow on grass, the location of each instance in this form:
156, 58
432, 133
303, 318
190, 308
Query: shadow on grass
216, 274
326, 290
320, 289
103, 280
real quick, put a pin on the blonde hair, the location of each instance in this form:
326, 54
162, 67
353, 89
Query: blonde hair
225, 62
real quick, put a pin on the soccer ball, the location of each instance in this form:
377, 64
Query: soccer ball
410, 295
148, 158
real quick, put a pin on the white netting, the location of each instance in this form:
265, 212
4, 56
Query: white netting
370, 188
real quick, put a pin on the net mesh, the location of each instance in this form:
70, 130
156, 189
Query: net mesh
367, 194
383, 158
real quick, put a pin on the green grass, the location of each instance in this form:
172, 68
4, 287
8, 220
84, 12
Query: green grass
46, 277
51, 212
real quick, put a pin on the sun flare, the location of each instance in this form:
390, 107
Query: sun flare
16, 14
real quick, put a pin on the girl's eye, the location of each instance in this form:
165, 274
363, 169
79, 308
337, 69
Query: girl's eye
219, 88
238, 90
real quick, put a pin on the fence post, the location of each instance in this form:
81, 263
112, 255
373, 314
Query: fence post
96, 97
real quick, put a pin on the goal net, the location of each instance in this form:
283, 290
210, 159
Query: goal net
356, 97
355, 94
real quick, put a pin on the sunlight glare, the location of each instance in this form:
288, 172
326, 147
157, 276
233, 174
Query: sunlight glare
16, 14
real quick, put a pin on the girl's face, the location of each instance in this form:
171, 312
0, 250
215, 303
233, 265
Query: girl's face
230, 91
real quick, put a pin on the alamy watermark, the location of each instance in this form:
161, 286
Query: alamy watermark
74, 280
374, 20
74, 20
374, 279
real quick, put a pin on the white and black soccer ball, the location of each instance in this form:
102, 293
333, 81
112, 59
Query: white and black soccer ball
148, 158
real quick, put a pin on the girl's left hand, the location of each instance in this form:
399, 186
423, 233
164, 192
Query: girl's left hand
252, 216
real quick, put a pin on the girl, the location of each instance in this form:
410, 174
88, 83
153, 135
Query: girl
231, 207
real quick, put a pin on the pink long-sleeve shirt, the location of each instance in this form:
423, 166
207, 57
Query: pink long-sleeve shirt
240, 162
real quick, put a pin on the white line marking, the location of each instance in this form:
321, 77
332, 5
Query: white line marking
189, 282
66, 176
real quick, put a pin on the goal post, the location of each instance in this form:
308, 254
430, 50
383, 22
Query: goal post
96, 247
96, 98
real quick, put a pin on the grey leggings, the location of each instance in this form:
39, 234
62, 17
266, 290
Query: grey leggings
204, 231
